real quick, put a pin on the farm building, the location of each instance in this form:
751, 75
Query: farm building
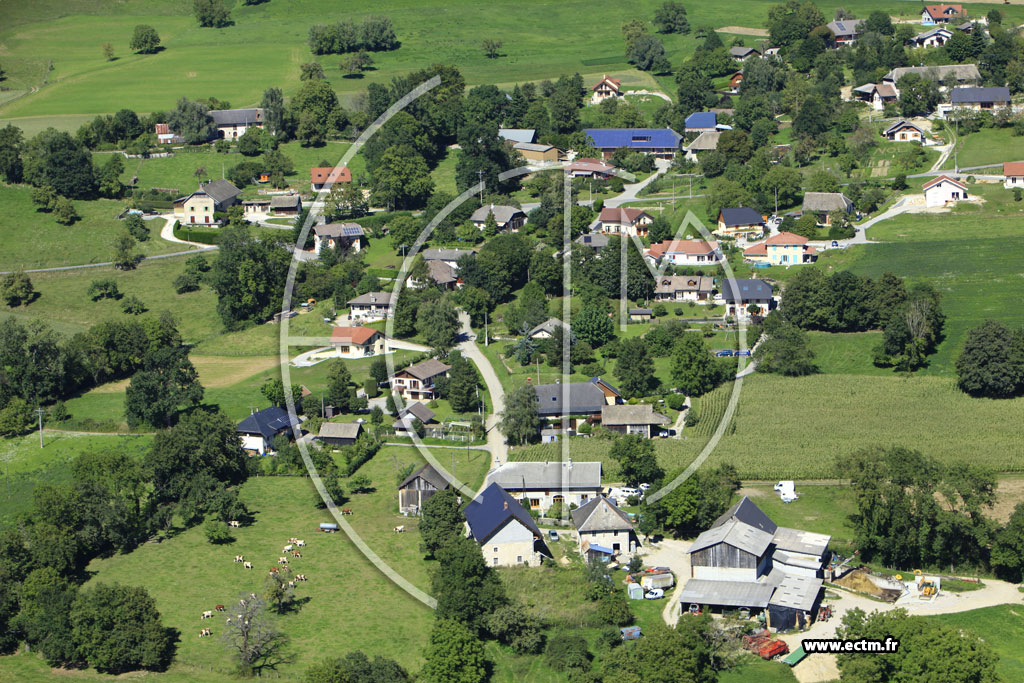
740, 221
416, 382
632, 222
539, 485
231, 124
357, 342
976, 99
686, 252
705, 142
746, 560
821, 204
418, 487
515, 135
371, 306
963, 73
536, 152
259, 430
640, 418
339, 433
256, 208
506, 532
607, 88
1013, 174
324, 176
661, 142
701, 122
600, 523
286, 205
333, 235
507, 217
944, 191
684, 288
904, 131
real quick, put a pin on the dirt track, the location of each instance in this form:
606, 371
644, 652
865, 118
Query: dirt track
747, 31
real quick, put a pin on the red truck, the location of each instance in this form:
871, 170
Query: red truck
772, 649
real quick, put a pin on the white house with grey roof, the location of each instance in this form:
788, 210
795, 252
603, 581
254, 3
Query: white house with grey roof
331, 235
640, 418
371, 306
546, 330
539, 485
575, 402
739, 294
232, 124
200, 207
507, 217
601, 525
746, 560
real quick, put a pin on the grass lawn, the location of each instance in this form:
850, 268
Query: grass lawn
821, 509
847, 354
987, 146
33, 239
1002, 627
753, 668
444, 173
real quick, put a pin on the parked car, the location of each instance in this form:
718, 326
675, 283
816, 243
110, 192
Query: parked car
724, 353
644, 487
743, 352
552, 534
663, 433
654, 594
628, 491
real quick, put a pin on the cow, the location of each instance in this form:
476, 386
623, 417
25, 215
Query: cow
293, 540
291, 584
234, 523
252, 595
399, 529
346, 511
242, 603
228, 620
239, 558
300, 543
282, 560
300, 577
247, 565
205, 632
219, 608
287, 548
296, 553
207, 614
273, 570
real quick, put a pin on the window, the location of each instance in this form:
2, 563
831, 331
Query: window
535, 502
495, 562
519, 559
495, 548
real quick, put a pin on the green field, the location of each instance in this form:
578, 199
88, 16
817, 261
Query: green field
33, 239
1002, 627
986, 146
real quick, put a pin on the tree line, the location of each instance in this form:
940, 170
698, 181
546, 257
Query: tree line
374, 34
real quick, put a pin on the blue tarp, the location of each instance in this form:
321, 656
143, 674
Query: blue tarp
601, 549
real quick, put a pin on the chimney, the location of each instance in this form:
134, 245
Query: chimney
506, 505
569, 467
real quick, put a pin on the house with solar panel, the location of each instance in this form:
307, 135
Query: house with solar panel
745, 560
334, 235
659, 142
505, 531
844, 31
259, 430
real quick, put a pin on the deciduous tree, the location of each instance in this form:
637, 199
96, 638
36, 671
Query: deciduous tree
520, 422
144, 39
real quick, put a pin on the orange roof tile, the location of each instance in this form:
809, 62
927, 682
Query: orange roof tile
354, 335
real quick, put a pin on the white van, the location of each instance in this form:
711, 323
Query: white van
785, 486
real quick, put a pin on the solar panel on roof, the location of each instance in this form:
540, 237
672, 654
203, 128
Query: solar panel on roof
352, 231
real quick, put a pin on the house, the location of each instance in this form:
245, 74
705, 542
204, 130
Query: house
200, 206
904, 131
334, 235
339, 433
942, 14
546, 330
632, 222
506, 533
640, 418
449, 257
538, 153
416, 382
418, 487
740, 221
684, 288
1013, 174
876, 95
325, 176
660, 142
705, 142
507, 217
601, 523
405, 422
735, 80
745, 560
231, 124
686, 252
782, 249
740, 294
590, 168
595, 240
742, 54
259, 430
640, 315
937, 37
164, 136
539, 485
606, 89
440, 273
256, 209
844, 32
357, 342
371, 306
976, 99
515, 135
701, 122
944, 191
286, 205
963, 73
576, 402
822, 204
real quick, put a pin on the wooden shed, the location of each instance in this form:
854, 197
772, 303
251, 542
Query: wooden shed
417, 489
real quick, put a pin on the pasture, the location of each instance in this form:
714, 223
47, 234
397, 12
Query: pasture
1002, 627
986, 146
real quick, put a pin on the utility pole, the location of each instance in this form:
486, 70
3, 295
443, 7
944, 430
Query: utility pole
40, 412
487, 338
480, 175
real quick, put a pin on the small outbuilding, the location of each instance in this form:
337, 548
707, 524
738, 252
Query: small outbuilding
339, 433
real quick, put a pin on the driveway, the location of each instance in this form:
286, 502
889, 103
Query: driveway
670, 553
495, 439
167, 232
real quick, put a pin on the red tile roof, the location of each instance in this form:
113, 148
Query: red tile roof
354, 335
682, 247
786, 238
622, 215
163, 129
756, 250
938, 180
614, 82
1013, 168
330, 174
939, 11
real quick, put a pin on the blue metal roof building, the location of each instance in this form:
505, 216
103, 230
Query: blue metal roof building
701, 120
658, 141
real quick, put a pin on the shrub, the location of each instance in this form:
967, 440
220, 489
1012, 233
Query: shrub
104, 289
1017, 194
217, 532
678, 310
692, 418
567, 651
659, 311
675, 401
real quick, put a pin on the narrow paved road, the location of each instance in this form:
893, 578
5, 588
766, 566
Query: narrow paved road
495, 440
629, 192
